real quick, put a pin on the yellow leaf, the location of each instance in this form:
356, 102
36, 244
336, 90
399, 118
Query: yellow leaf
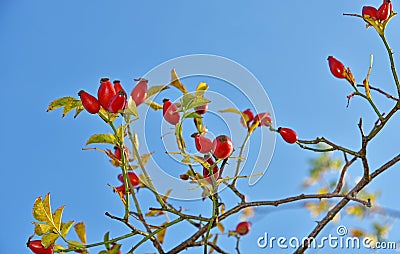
80, 230
154, 213
65, 227
155, 90
57, 218
367, 90
221, 227
247, 213
41, 229
153, 105
146, 157
49, 239
161, 234
42, 210
176, 82
131, 109
201, 88
165, 197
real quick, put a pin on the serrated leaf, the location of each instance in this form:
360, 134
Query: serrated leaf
69, 103
177, 83
57, 215
42, 210
153, 105
80, 230
221, 228
41, 229
101, 138
65, 227
155, 90
131, 109
49, 239
161, 234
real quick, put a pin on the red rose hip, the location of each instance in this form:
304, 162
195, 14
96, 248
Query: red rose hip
370, 11
139, 92
337, 68
264, 119
222, 147
201, 109
243, 227
117, 86
106, 92
288, 135
36, 247
133, 178
170, 112
117, 102
384, 10
203, 144
249, 116
89, 102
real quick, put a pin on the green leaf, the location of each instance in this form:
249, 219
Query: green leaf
65, 227
69, 103
101, 138
78, 111
191, 115
49, 239
153, 105
75, 245
80, 230
155, 90
106, 238
190, 101
177, 83
131, 109
41, 229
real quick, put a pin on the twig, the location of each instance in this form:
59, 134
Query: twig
339, 185
211, 244
303, 143
389, 96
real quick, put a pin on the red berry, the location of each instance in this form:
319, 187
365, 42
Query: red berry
89, 102
117, 86
201, 109
249, 117
105, 93
170, 112
117, 102
243, 227
37, 247
370, 11
132, 177
117, 152
139, 92
206, 171
384, 10
203, 144
264, 119
288, 135
337, 68
120, 189
222, 147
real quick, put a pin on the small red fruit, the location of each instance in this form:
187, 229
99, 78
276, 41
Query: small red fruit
117, 152
264, 119
249, 117
203, 144
132, 177
201, 109
384, 10
37, 247
139, 92
206, 171
288, 135
222, 147
243, 227
117, 102
370, 11
170, 112
89, 102
105, 93
117, 86
337, 68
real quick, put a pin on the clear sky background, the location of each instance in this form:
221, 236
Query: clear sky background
51, 49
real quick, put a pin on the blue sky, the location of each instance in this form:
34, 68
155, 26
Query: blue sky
52, 49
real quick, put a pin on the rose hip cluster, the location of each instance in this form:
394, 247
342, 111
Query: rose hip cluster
381, 14
112, 97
